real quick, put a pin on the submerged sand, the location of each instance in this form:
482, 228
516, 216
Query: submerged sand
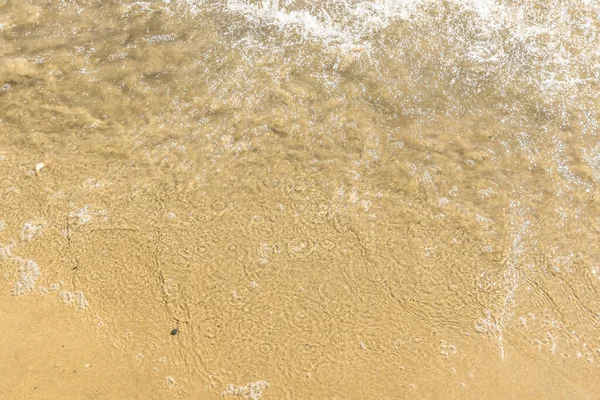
326, 200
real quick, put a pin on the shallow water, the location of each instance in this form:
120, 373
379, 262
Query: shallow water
328, 199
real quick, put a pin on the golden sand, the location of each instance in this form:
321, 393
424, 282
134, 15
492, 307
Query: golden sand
299, 200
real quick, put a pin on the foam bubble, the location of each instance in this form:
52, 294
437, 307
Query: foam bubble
347, 23
30, 231
160, 38
5, 252
252, 391
29, 272
76, 299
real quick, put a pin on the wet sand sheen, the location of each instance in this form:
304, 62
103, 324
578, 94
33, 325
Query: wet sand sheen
58, 355
50, 353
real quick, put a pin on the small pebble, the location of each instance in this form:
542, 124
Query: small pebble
174, 331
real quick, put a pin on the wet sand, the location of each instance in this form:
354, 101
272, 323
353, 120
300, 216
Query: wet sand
326, 200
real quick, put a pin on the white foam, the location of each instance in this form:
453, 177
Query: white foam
511, 276
28, 274
563, 169
5, 250
76, 299
349, 23
499, 38
251, 391
348, 28
160, 38
30, 231
85, 214
447, 350
592, 157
